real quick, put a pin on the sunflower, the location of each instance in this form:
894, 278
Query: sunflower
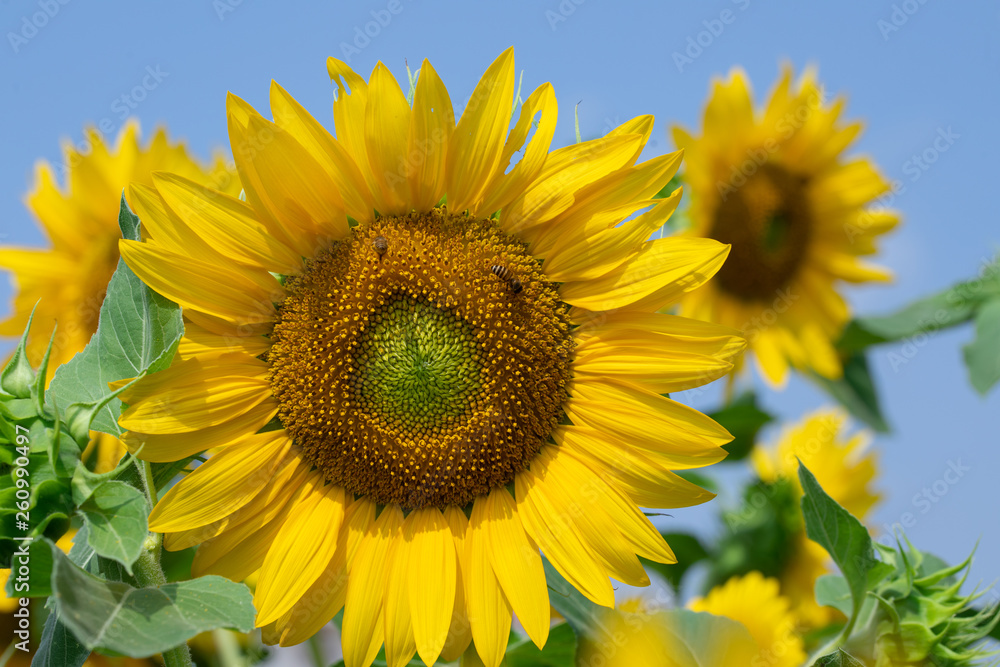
409, 403
755, 602
68, 281
845, 469
774, 184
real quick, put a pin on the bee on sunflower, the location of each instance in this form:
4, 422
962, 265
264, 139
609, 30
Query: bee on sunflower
400, 432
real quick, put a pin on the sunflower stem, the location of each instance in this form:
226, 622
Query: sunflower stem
149, 572
228, 648
316, 651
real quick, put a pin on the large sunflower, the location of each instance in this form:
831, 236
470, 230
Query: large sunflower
776, 186
423, 365
68, 280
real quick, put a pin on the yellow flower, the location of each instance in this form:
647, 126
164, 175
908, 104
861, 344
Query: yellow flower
755, 602
439, 404
775, 185
68, 281
845, 470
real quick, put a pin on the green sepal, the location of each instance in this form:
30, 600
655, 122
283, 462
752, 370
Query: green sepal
17, 377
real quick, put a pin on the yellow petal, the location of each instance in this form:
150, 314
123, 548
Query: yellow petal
288, 478
477, 144
223, 484
595, 527
387, 125
675, 326
201, 395
301, 551
673, 433
398, 617
586, 256
362, 631
659, 273
505, 186
770, 359
431, 125
165, 447
545, 519
327, 595
163, 226
566, 170
240, 549
349, 104
326, 150
431, 580
245, 146
226, 224
657, 369
602, 495
239, 295
489, 610
200, 342
517, 565
629, 184
641, 126
294, 188
460, 631
646, 481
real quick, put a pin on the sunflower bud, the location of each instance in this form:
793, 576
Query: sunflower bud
37, 456
918, 617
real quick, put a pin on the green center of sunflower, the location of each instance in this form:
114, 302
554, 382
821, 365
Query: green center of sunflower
769, 224
422, 361
417, 364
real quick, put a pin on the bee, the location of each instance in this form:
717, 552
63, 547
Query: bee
505, 274
381, 244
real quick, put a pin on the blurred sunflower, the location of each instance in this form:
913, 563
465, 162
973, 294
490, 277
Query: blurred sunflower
845, 469
775, 185
69, 280
416, 405
755, 602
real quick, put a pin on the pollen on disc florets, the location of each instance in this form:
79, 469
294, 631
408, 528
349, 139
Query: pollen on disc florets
769, 223
410, 371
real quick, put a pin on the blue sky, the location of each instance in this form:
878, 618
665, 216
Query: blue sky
913, 70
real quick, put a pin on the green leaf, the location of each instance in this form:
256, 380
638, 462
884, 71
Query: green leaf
843, 536
142, 622
560, 650
838, 659
116, 520
762, 533
743, 418
39, 565
689, 551
856, 392
58, 647
138, 333
948, 308
832, 591
982, 356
